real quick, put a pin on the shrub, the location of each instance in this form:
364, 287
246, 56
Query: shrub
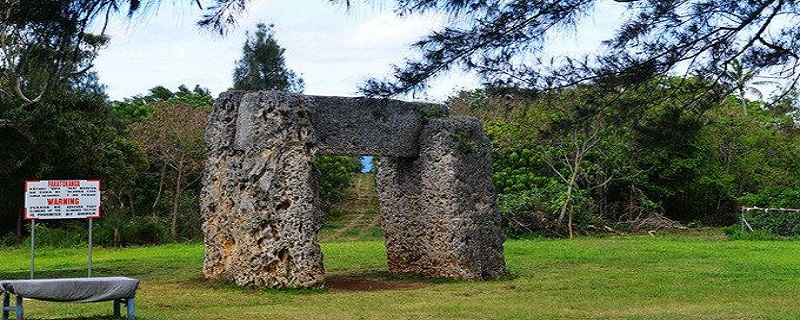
145, 231
69, 234
6, 240
536, 210
138, 230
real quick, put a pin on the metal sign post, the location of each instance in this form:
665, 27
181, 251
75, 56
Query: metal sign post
62, 199
33, 247
89, 265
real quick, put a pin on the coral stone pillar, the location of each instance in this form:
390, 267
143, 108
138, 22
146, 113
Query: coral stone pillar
438, 210
260, 199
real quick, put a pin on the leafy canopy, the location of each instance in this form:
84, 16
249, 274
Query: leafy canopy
45, 45
503, 41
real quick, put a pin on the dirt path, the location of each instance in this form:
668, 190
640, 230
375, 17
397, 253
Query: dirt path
360, 206
375, 221
354, 222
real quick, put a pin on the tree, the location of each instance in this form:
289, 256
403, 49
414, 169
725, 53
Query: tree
71, 135
583, 158
173, 135
140, 106
742, 81
53, 119
262, 66
44, 44
44, 47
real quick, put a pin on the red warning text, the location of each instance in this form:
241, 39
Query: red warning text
63, 183
63, 201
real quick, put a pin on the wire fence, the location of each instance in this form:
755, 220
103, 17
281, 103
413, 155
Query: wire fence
778, 221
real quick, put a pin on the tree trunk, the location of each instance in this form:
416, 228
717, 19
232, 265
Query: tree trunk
570, 187
569, 224
744, 102
173, 228
160, 185
117, 236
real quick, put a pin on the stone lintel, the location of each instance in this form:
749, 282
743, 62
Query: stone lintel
380, 127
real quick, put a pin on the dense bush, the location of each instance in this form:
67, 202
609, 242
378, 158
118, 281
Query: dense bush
75, 233
735, 232
773, 197
61, 234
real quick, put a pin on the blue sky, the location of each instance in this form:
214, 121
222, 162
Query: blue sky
333, 49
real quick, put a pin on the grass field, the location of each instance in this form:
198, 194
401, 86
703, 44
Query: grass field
632, 277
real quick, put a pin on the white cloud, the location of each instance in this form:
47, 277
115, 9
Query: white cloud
389, 28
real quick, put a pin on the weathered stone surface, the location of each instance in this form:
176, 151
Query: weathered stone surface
260, 198
438, 211
260, 193
379, 127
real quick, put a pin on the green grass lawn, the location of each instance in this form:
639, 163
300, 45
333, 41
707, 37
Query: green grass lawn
632, 277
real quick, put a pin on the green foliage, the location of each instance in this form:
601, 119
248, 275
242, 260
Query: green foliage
634, 155
430, 113
145, 231
173, 139
69, 135
46, 47
141, 106
551, 153
262, 66
335, 175
463, 142
54, 120
61, 234
735, 232
169, 126
138, 230
476, 99
188, 210
535, 209
505, 41
772, 197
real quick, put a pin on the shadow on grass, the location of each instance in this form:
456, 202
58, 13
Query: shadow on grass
358, 281
375, 280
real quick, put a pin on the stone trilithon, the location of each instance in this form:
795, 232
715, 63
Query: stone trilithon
260, 197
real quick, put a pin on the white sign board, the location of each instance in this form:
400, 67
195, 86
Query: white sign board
62, 199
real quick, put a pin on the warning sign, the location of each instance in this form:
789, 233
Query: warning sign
62, 199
